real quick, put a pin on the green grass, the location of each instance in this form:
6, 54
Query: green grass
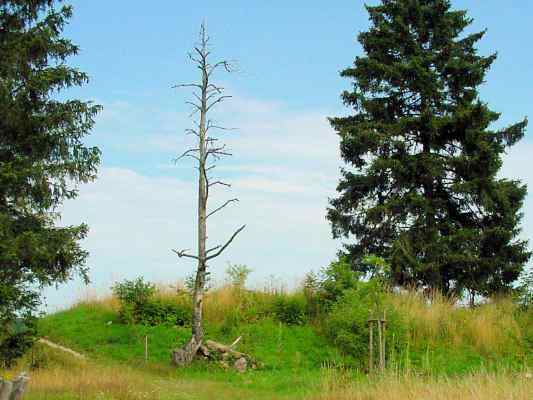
291, 357
97, 332
438, 341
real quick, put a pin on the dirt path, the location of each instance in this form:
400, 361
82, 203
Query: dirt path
62, 348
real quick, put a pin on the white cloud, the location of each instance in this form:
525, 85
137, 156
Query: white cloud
284, 168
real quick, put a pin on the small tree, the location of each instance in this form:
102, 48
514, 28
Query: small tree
207, 95
237, 274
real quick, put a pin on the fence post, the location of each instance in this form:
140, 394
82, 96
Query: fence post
384, 337
380, 336
145, 348
370, 347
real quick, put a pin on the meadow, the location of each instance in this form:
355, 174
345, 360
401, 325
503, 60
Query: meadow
435, 348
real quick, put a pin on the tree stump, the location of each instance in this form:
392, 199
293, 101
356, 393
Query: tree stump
184, 356
13, 390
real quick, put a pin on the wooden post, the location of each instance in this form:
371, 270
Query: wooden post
384, 336
380, 337
370, 348
146, 348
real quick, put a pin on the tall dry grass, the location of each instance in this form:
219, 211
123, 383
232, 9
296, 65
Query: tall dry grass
91, 382
340, 386
223, 300
491, 327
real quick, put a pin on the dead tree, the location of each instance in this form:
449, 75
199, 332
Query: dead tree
207, 95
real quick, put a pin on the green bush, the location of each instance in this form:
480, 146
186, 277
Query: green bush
347, 322
311, 291
134, 292
140, 306
337, 278
17, 339
237, 274
158, 311
291, 309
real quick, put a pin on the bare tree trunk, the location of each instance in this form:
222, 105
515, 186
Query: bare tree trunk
209, 95
198, 295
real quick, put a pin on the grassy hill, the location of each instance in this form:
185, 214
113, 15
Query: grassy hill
434, 350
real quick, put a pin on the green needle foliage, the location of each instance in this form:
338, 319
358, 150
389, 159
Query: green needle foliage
41, 156
421, 187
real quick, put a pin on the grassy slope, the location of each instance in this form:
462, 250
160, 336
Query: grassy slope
293, 357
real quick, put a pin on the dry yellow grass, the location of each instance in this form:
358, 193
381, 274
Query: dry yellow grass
487, 328
475, 387
90, 381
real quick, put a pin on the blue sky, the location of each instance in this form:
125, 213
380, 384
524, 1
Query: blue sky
286, 161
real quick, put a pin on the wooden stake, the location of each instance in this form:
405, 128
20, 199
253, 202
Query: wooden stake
370, 348
384, 336
146, 348
380, 337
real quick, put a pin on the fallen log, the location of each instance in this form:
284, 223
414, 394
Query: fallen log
13, 390
223, 349
239, 360
224, 354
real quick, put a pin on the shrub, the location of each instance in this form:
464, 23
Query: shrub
347, 322
291, 309
140, 305
237, 274
160, 311
134, 292
336, 279
311, 291
17, 339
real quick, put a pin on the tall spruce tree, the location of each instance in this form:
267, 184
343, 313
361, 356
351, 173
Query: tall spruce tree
421, 186
41, 157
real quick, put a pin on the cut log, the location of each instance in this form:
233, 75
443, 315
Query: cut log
223, 349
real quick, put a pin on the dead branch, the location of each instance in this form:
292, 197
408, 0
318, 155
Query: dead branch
187, 153
213, 249
227, 243
231, 346
217, 152
214, 88
192, 131
210, 125
181, 253
219, 100
221, 207
219, 183
187, 85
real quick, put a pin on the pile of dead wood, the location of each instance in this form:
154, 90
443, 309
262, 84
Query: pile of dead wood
225, 355
13, 390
